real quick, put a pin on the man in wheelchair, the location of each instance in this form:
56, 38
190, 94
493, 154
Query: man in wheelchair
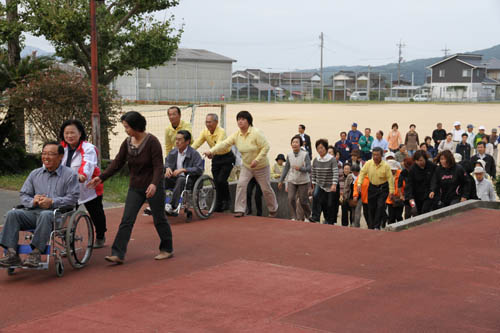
51, 186
182, 161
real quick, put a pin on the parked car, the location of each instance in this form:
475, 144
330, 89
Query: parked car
359, 96
420, 98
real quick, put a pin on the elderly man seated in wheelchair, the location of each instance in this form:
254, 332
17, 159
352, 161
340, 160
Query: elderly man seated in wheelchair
47, 188
182, 162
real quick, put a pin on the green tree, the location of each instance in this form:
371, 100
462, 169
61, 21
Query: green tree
129, 36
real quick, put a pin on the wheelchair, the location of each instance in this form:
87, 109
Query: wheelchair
201, 197
72, 237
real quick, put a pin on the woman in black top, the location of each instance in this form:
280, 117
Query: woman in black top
449, 181
418, 184
142, 151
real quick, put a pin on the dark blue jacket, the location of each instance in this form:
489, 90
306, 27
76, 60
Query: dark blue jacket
193, 162
345, 149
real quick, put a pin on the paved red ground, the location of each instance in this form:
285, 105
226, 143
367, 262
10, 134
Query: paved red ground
264, 275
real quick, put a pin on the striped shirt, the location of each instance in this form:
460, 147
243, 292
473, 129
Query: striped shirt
325, 172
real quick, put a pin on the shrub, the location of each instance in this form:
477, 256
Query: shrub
53, 96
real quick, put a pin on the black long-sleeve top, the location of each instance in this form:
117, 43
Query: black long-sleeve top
490, 168
438, 134
450, 183
418, 183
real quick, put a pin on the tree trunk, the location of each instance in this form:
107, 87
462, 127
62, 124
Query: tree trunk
14, 56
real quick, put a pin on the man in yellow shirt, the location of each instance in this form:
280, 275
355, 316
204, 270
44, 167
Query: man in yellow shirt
381, 184
176, 124
222, 162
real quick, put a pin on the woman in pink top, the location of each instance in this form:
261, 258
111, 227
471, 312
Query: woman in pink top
394, 138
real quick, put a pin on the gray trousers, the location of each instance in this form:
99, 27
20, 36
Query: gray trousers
302, 191
21, 220
357, 214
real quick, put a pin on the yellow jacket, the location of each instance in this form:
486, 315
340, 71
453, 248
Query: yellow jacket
171, 132
219, 135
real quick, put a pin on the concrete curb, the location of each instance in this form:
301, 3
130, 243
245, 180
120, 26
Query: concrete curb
441, 213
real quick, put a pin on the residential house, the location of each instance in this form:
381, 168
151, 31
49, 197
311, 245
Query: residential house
461, 77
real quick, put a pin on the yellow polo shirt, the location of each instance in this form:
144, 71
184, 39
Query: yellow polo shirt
171, 132
252, 146
219, 135
377, 174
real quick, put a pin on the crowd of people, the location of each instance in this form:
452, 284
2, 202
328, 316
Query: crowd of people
390, 179
384, 179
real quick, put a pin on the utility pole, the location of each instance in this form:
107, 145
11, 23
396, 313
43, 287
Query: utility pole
96, 120
321, 64
400, 60
445, 50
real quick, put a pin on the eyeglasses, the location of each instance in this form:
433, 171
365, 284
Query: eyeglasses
49, 153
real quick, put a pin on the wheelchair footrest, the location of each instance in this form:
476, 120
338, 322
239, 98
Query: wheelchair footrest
26, 249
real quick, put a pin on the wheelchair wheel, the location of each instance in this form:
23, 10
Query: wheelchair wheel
204, 197
79, 239
59, 268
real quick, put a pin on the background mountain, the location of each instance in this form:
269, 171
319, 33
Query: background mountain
28, 50
418, 67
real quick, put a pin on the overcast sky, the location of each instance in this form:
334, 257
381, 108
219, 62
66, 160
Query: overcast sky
284, 34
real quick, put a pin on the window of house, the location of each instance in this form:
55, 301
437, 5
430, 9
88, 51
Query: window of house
466, 73
441, 73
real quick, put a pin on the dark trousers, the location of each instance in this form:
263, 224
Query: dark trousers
347, 214
366, 155
408, 211
395, 213
377, 195
177, 184
366, 213
221, 169
258, 197
96, 212
424, 206
323, 202
133, 203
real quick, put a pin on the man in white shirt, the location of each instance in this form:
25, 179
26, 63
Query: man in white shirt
457, 132
484, 187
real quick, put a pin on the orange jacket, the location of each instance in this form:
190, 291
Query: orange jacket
364, 190
396, 189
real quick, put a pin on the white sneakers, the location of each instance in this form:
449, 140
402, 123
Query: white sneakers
168, 208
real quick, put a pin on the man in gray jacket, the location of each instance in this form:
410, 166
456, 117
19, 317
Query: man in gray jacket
484, 187
182, 161
51, 186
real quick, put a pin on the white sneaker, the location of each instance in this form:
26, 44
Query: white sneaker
306, 220
294, 220
168, 208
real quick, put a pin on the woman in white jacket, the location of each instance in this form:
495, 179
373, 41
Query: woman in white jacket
81, 156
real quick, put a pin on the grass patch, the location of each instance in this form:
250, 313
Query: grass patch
115, 188
13, 182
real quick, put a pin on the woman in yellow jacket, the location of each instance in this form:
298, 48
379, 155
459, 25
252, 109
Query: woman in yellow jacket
253, 147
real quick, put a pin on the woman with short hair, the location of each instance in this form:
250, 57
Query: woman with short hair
253, 147
298, 169
143, 154
82, 157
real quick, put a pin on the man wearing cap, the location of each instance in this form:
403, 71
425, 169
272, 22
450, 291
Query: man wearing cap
457, 132
470, 135
354, 135
494, 140
490, 166
479, 136
484, 187
381, 185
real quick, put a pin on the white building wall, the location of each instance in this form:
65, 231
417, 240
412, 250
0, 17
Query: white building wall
473, 92
178, 81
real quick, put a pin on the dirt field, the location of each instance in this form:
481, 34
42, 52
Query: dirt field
279, 121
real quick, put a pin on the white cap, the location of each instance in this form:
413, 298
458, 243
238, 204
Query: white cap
456, 123
458, 157
389, 154
478, 170
482, 162
394, 164
481, 127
